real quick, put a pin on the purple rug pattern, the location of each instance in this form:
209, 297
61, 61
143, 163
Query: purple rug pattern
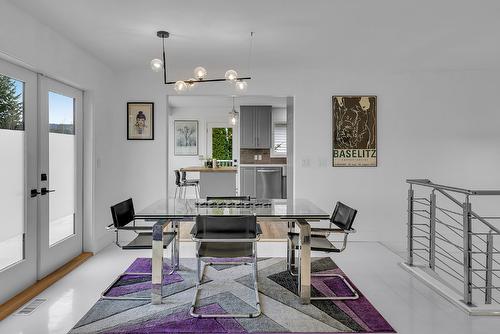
228, 290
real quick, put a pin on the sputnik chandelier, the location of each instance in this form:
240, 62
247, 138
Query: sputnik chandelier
200, 73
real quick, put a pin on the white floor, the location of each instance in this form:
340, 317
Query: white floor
408, 305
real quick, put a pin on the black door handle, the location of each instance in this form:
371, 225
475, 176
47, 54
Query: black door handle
34, 193
45, 191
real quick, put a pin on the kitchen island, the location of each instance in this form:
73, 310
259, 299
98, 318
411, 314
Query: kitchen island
215, 181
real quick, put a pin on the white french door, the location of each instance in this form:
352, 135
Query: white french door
18, 175
60, 174
40, 175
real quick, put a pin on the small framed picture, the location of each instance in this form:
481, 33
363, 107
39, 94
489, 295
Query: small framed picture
140, 121
186, 137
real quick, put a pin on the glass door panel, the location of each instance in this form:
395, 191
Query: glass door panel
17, 176
62, 167
60, 161
12, 177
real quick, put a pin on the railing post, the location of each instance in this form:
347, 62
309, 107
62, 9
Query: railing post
467, 229
432, 230
489, 268
409, 259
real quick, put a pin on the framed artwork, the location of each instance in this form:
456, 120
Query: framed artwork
354, 131
186, 137
140, 121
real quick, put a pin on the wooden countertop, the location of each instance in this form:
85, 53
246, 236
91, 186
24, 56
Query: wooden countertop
210, 170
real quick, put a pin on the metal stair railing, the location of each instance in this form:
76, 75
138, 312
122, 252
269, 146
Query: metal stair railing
461, 231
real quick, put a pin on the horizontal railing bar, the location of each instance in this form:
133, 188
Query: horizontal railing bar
421, 237
420, 224
455, 220
481, 252
488, 217
428, 183
420, 210
449, 257
420, 215
420, 256
421, 203
421, 199
481, 269
452, 269
440, 237
483, 233
420, 249
450, 211
421, 230
459, 277
422, 244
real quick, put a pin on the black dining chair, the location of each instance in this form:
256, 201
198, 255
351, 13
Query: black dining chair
226, 237
123, 215
343, 217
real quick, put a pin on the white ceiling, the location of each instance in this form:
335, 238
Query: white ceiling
213, 101
332, 34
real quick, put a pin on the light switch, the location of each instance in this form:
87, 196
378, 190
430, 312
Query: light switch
306, 162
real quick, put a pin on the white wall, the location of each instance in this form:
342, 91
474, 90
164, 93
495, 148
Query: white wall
439, 125
31, 44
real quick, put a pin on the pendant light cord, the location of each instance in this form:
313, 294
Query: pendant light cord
249, 64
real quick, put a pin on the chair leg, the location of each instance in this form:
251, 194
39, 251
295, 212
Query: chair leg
199, 274
291, 265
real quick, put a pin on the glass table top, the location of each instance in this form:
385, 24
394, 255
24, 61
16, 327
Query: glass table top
273, 208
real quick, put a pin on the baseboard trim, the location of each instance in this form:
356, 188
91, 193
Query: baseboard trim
11, 305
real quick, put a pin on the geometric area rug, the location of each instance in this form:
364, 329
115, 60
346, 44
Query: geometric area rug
229, 289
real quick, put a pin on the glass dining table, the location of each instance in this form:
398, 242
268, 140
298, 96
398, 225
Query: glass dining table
174, 211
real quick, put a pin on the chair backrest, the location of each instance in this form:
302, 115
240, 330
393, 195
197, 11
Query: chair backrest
343, 216
228, 198
177, 177
123, 213
226, 227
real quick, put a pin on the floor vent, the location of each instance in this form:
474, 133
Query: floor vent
31, 306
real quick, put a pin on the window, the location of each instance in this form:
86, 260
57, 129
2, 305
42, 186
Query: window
222, 143
279, 140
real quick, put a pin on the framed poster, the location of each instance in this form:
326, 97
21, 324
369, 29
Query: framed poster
186, 137
140, 121
354, 131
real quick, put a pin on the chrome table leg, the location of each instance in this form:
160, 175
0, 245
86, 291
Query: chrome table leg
304, 261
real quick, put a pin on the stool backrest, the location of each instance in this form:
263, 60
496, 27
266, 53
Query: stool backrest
123, 213
183, 176
228, 198
177, 177
237, 227
343, 216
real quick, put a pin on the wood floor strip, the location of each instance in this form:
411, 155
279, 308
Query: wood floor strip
25, 296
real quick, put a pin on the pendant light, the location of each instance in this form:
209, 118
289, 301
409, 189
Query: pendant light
233, 115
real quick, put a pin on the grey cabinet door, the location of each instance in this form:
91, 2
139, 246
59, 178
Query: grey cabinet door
247, 181
263, 120
247, 127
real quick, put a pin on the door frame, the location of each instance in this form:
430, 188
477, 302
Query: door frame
19, 275
51, 257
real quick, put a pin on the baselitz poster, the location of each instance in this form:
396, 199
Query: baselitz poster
354, 131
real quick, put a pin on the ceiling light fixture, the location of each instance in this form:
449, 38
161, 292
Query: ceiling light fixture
200, 73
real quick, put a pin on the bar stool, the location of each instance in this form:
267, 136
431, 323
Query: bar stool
181, 184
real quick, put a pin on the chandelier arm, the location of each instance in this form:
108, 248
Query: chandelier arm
205, 80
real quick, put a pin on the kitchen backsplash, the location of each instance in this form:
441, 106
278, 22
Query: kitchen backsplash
247, 157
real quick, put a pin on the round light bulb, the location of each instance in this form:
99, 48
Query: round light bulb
180, 86
156, 65
233, 120
241, 85
191, 83
231, 75
200, 72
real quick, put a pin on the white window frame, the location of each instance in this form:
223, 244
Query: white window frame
273, 154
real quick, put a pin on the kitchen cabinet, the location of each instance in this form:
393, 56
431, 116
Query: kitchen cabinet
255, 125
247, 181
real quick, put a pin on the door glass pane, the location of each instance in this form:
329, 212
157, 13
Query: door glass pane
222, 143
12, 171
62, 164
